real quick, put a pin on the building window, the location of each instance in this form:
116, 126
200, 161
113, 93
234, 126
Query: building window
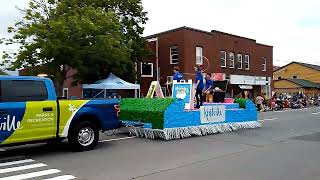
231, 60
295, 77
247, 62
199, 55
239, 61
279, 77
223, 57
146, 69
264, 64
174, 55
65, 93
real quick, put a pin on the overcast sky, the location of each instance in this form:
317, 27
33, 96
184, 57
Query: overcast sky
291, 26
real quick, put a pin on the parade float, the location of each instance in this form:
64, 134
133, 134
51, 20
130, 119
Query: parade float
175, 117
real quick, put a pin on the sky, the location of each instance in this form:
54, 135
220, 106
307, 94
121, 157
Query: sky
292, 27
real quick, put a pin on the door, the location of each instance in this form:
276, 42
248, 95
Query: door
26, 112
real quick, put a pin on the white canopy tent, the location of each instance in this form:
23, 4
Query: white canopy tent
112, 83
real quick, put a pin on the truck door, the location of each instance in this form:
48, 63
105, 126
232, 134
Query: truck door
26, 111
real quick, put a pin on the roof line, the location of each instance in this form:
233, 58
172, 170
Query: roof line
314, 85
289, 81
176, 29
202, 31
302, 64
264, 45
283, 67
215, 31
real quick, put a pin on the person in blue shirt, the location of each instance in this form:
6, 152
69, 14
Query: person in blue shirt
177, 75
199, 86
208, 88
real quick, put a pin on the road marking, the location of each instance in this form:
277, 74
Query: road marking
20, 168
117, 139
16, 172
32, 175
289, 110
16, 162
66, 177
316, 113
272, 119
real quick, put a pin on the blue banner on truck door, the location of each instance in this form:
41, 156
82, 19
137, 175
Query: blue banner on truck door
10, 120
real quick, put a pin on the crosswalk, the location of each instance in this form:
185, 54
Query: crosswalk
24, 168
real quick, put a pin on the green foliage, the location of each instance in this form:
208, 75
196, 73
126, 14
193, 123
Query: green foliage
148, 110
241, 102
3, 73
94, 37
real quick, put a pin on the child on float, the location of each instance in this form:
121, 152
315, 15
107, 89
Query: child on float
177, 76
208, 88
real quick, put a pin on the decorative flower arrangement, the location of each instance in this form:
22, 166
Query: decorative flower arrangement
148, 110
242, 102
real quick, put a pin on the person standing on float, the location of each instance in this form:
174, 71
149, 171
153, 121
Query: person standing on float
199, 86
177, 75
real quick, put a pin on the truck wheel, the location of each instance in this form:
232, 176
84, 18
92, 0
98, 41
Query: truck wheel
83, 136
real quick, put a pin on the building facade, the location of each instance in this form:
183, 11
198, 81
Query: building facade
297, 77
247, 64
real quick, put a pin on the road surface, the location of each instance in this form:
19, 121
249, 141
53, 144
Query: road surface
287, 147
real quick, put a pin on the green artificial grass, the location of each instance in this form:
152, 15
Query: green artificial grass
241, 102
148, 110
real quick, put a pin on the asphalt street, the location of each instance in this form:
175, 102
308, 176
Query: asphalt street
287, 147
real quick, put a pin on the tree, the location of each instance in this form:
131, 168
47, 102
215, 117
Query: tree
132, 17
3, 73
94, 37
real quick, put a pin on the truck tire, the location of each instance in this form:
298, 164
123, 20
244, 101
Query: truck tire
83, 136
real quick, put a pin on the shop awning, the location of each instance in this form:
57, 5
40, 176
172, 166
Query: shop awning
245, 87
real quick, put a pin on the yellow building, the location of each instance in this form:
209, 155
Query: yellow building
297, 77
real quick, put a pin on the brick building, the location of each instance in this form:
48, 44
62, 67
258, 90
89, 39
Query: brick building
247, 64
